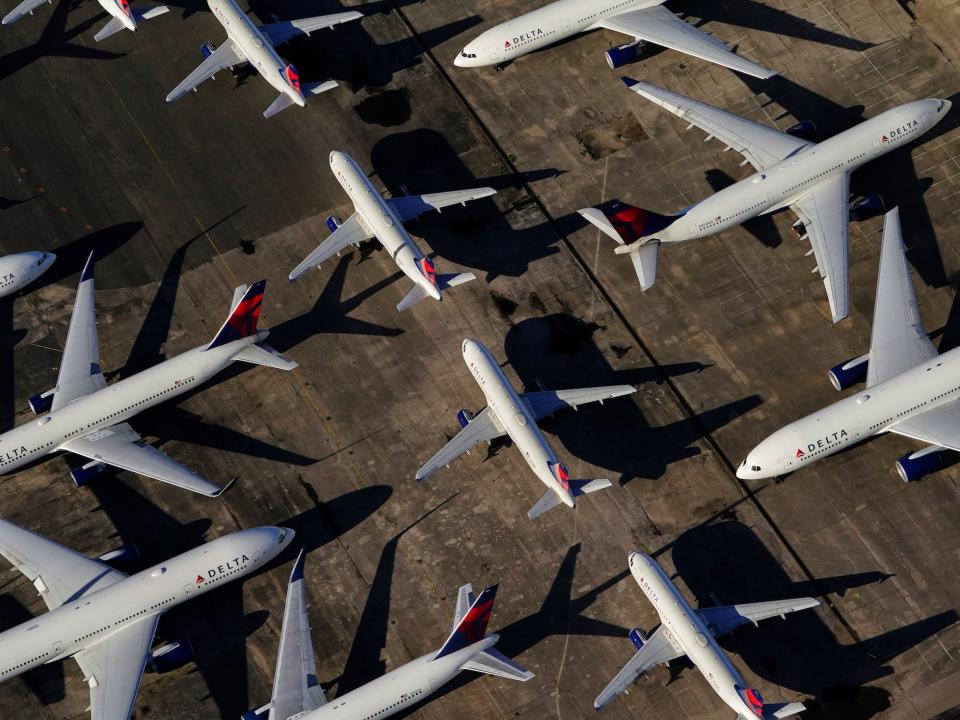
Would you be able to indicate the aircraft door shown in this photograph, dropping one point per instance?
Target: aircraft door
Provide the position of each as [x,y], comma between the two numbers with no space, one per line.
[187,591]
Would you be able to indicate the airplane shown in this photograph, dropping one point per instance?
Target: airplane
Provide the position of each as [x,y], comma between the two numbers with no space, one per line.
[514,414]
[247,42]
[910,389]
[644,20]
[692,632]
[106,620]
[84,416]
[297,694]
[20,269]
[383,219]
[122,16]
[812,179]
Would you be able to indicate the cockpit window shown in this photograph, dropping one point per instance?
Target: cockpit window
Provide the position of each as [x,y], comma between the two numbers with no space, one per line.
[283,534]
[465,54]
[940,105]
[755,468]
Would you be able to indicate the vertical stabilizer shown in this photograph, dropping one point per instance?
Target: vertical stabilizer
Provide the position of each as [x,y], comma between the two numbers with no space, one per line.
[472,627]
[243,317]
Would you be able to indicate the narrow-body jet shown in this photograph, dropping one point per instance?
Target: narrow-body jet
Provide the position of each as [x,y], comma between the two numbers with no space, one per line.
[20,269]
[122,15]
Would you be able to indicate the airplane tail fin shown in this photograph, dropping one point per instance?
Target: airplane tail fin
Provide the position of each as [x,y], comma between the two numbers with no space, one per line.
[471,627]
[768,711]
[244,314]
[627,224]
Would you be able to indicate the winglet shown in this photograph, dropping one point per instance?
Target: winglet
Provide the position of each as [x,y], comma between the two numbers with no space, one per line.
[629,81]
[297,572]
[226,487]
[87,273]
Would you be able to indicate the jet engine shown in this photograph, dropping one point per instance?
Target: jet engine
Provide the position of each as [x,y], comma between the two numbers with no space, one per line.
[915,466]
[464,417]
[805,130]
[171,656]
[866,208]
[623,54]
[121,557]
[333,222]
[638,638]
[41,403]
[849,373]
[85,474]
[206,49]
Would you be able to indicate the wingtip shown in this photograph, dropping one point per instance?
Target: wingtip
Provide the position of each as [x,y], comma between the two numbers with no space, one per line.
[226,487]
[87,273]
[297,572]
[629,81]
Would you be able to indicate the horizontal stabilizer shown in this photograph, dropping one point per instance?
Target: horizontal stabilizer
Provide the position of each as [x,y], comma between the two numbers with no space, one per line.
[114,26]
[263,354]
[549,501]
[645,259]
[781,710]
[25,8]
[450,280]
[149,13]
[318,87]
[282,102]
[492,662]
[415,295]
[585,487]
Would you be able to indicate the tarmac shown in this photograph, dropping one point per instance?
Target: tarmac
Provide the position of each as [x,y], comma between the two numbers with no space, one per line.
[186,201]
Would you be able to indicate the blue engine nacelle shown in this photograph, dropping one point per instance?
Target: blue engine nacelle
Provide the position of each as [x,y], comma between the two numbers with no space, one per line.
[122,557]
[171,656]
[623,54]
[638,638]
[40,404]
[206,49]
[805,130]
[865,208]
[918,464]
[464,417]
[333,222]
[85,475]
[849,373]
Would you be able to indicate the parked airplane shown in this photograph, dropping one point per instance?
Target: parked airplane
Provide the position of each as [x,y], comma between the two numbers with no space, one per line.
[20,269]
[297,694]
[911,390]
[383,219]
[644,20]
[247,42]
[106,620]
[122,16]
[84,416]
[686,631]
[812,179]
[515,414]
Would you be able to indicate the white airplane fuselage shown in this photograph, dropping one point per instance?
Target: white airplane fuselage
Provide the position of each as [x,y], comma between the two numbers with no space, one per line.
[400,688]
[378,219]
[116,403]
[20,269]
[93,617]
[781,184]
[117,10]
[254,46]
[514,417]
[539,28]
[867,413]
[686,631]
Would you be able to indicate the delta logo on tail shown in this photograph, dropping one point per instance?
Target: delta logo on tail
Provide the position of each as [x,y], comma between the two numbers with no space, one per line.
[429,270]
[243,320]
[562,475]
[125,6]
[633,223]
[472,627]
[292,77]
[753,699]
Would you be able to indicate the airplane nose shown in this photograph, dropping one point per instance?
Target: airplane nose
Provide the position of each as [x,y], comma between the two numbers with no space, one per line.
[285,536]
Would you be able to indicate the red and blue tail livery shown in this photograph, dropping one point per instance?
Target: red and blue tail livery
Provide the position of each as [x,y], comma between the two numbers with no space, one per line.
[753,699]
[429,270]
[633,223]
[243,318]
[472,628]
[292,77]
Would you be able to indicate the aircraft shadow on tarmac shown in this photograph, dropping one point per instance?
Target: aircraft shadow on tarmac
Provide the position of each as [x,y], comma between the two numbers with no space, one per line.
[45,682]
[54,41]
[216,624]
[559,351]
[477,236]
[836,676]
[893,176]
[756,15]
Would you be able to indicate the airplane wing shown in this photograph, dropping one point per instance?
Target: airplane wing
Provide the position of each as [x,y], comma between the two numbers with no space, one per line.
[761,145]
[112,668]
[24,8]
[120,446]
[113,26]
[898,341]
[410,206]
[548,402]
[59,574]
[295,688]
[227,55]
[824,212]
[721,620]
[939,426]
[655,651]
[279,32]
[351,232]
[80,368]
[481,428]
[658,25]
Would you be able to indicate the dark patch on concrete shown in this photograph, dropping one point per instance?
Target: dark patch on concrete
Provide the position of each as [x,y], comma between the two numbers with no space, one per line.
[385,107]
[248,247]
[537,304]
[620,350]
[605,139]
[505,306]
